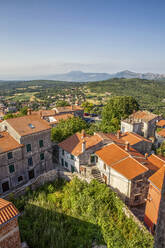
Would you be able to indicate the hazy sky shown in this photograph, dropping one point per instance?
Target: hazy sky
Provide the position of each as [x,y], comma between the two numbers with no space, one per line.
[39,37]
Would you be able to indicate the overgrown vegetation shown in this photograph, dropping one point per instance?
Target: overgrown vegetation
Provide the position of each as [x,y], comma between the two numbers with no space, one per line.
[66,128]
[149,94]
[76,214]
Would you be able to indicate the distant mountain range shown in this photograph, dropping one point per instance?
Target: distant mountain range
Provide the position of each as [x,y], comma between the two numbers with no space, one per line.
[79,76]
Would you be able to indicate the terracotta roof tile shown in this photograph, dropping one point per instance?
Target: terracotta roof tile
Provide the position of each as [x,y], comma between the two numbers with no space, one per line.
[161,123]
[28,124]
[129,168]
[111,154]
[143,115]
[122,161]
[161,132]
[7,211]
[156,160]
[7,143]
[73,144]
[61,117]
[133,138]
[158,177]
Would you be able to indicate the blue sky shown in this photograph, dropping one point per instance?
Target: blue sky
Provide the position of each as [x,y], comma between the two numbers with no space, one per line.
[40,37]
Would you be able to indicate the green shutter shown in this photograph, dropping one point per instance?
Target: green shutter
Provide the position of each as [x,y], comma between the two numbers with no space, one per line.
[10,155]
[11,168]
[42,156]
[41,143]
[28,148]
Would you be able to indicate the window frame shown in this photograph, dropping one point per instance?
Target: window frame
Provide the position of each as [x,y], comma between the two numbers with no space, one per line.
[41,143]
[10,155]
[27,147]
[30,163]
[42,156]
[11,171]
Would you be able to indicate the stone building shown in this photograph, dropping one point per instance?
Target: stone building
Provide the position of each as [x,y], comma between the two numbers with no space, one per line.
[154,193]
[160,137]
[25,150]
[9,229]
[141,122]
[126,171]
[79,149]
[136,141]
[74,109]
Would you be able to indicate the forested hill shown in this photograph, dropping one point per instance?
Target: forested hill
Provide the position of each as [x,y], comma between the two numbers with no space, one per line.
[149,94]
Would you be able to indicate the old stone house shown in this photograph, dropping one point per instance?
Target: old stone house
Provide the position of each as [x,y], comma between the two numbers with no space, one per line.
[73,109]
[79,149]
[26,151]
[154,193]
[136,141]
[141,122]
[161,124]
[126,171]
[9,229]
[160,137]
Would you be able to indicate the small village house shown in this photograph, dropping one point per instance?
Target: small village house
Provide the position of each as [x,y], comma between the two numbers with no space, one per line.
[142,123]
[9,229]
[154,193]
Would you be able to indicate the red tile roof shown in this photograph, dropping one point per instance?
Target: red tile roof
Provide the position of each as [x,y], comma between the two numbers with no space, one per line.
[143,115]
[7,143]
[161,123]
[156,160]
[28,124]
[61,117]
[129,168]
[133,138]
[158,177]
[73,144]
[7,211]
[116,157]
[161,132]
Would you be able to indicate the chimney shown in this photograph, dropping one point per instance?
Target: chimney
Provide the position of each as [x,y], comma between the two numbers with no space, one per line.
[29,111]
[83,146]
[83,134]
[118,134]
[41,114]
[127,146]
[146,155]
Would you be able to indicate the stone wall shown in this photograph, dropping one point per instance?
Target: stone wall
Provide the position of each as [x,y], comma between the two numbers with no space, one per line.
[9,235]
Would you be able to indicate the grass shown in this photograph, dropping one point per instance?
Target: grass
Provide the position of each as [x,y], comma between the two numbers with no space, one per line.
[76,214]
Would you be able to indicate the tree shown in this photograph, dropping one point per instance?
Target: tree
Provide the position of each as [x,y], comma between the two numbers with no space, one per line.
[117,107]
[88,107]
[61,103]
[66,128]
[161,149]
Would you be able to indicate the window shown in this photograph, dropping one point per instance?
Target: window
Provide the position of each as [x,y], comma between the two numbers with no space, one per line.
[66,164]
[63,152]
[41,143]
[104,166]
[137,198]
[72,157]
[139,184]
[41,156]
[5,186]
[62,162]
[31,125]
[11,168]
[30,161]
[72,168]
[92,158]
[20,178]
[31,174]
[28,148]
[10,155]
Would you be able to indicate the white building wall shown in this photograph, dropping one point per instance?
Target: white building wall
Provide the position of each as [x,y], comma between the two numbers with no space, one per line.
[115,179]
[67,158]
[126,127]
